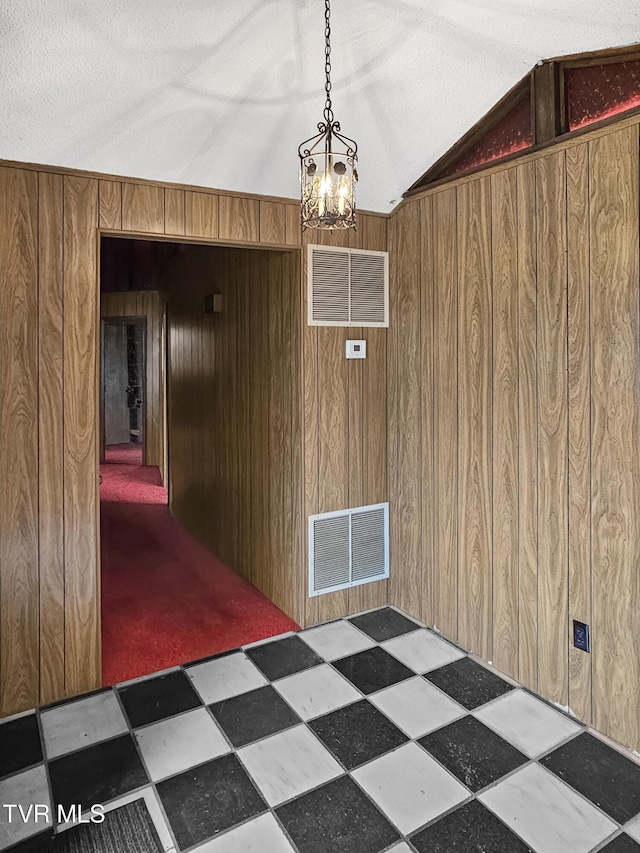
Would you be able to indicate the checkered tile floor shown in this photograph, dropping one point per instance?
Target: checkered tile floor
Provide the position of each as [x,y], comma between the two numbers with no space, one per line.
[363,735]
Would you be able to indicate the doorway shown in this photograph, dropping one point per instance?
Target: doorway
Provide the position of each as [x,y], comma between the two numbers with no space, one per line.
[218,417]
[123,389]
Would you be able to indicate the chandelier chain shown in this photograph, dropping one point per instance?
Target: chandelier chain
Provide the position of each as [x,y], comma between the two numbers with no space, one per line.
[328,109]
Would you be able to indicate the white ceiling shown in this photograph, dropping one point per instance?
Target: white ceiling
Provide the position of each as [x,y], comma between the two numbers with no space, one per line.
[220,93]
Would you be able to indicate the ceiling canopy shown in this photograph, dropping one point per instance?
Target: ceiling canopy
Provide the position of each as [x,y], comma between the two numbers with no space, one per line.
[220,93]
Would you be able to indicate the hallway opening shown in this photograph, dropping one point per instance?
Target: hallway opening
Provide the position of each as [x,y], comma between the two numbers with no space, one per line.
[177,447]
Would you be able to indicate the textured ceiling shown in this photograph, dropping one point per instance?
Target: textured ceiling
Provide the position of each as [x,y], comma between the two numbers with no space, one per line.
[220,93]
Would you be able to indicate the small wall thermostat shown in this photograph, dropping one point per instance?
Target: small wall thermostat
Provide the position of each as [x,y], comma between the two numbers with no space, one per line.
[356,349]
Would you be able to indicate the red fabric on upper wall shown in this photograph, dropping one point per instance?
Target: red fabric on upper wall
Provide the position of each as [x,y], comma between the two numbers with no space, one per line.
[596,92]
[512,133]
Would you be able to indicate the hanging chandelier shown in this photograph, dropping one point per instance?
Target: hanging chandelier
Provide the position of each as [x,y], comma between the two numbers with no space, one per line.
[328,173]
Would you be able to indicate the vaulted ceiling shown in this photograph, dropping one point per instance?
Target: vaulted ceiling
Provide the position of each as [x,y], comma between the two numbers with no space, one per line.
[220,93]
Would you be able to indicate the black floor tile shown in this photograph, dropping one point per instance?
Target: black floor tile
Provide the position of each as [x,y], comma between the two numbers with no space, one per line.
[384,624]
[20,745]
[157,698]
[254,715]
[209,799]
[600,773]
[357,734]
[622,844]
[474,754]
[470,829]
[336,817]
[283,657]
[373,669]
[468,683]
[97,774]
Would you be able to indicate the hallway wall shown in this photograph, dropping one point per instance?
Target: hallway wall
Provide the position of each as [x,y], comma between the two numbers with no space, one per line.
[149,304]
[235,412]
[514,419]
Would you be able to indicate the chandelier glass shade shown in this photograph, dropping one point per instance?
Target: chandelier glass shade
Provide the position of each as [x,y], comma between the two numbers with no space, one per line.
[328,165]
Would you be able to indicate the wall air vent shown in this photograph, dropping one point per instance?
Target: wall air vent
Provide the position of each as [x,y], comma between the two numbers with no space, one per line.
[347,287]
[348,548]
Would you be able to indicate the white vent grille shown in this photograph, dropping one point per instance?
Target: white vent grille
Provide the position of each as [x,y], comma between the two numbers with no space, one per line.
[348,548]
[348,287]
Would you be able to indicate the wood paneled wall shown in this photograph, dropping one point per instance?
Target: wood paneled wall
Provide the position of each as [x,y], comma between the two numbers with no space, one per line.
[149,304]
[235,412]
[49,607]
[345,423]
[50,222]
[514,404]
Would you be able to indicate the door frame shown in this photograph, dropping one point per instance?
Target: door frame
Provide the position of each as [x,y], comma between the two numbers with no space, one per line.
[125,320]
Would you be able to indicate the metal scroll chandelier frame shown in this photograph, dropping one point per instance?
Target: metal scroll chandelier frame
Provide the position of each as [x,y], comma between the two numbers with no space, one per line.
[328,164]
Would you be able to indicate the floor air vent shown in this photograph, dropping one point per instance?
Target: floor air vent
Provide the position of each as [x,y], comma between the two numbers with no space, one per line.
[348,548]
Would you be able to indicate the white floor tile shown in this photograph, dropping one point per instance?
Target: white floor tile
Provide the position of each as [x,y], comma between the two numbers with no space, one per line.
[410,787]
[83,723]
[417,707]
[422,651]
[262,835]
[174,745]
[316,691]
[336,640]
[633,828]
[400,848]
[547,814]
[526,722]
[25,789]
[225,677]
[288,764]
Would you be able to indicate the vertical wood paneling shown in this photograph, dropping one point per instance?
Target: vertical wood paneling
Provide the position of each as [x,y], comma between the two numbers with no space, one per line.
[288,584]
[174,212]
[82,642]
[405,583]
[368,416]
[373,233]
[427,532]
[201,214]
[310,392]
[292,225]
[276,435]
[110,204]
[234,394]
[474,417]
[333,452]
[239,218]
[51,432]
[504,252]
[579,358]
[445,412]
[143,208]
[552,427]
[272,222]
[615,511]
[19,642]
[527,430]
[355,430]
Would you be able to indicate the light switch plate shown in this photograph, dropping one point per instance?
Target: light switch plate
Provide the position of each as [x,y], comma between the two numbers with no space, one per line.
[356,349]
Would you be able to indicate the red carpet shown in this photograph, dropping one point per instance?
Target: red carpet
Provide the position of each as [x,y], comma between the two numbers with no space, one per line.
[166,600]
